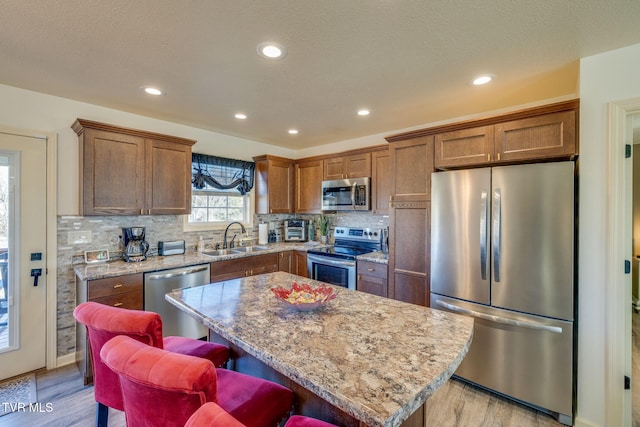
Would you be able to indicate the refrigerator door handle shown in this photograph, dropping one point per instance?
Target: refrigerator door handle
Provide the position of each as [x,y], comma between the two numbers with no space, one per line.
[496,228]
[498,319]
[484,206]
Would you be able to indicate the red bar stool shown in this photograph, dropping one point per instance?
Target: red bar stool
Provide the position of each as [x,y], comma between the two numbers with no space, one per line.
[164,389]
[212,415]
[104,322]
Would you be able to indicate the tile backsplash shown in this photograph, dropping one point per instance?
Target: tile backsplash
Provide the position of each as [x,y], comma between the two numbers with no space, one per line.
[77,234]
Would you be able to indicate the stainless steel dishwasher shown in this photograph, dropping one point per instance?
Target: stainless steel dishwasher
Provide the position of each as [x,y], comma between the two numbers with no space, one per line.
[159,283]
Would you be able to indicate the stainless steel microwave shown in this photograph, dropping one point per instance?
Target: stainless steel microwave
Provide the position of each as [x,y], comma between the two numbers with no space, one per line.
[352,194]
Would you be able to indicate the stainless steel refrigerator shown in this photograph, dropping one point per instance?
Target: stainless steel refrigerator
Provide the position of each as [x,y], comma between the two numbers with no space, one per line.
[502,251]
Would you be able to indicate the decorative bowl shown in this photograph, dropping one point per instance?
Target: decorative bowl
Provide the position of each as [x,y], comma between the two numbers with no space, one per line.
[304,297]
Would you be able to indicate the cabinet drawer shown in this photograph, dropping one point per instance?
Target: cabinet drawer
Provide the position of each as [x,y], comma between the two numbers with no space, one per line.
[114,286]
[130,300]
[372,269]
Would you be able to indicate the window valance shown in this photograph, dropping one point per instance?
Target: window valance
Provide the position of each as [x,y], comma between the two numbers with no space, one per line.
[219,173]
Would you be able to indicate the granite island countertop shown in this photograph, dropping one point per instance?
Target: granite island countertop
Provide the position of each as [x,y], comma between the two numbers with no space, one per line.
[375,358]
[155,263]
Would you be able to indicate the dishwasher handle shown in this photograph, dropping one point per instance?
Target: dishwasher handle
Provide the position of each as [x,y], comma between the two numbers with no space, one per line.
[176,273]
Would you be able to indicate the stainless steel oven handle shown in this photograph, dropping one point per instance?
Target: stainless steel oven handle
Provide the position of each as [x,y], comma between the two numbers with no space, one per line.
[498,319]
[329,261]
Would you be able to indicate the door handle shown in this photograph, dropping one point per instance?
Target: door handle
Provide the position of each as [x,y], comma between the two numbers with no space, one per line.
[484,206]
[498,319]
[497,234]
[35,273]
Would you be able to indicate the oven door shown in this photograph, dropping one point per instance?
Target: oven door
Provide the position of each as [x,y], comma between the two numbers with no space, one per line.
[336,271]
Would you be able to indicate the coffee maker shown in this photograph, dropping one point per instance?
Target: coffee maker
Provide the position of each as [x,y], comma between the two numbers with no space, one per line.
[134,247]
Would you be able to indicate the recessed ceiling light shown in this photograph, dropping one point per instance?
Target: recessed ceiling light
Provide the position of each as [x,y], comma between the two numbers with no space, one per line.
[240,116]
[152,90]
[271,50]
[363,112]
[483,80]
[293,131]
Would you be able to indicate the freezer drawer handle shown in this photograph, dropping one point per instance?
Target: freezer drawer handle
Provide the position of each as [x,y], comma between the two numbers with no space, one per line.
[176,273]
[498,319]
[483,234]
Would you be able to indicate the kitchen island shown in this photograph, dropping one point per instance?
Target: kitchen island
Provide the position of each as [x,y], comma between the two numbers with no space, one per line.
[361,360]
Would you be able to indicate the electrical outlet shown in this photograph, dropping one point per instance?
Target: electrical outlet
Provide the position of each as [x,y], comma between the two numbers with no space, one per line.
[78,237]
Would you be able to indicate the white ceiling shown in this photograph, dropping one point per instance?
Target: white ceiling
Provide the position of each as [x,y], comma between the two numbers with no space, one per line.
[409,62]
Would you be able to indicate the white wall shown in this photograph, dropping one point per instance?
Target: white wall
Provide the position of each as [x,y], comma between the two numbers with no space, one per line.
[612,76]
[29,110]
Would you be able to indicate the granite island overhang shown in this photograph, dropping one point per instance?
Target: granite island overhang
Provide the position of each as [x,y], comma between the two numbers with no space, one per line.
[375,359]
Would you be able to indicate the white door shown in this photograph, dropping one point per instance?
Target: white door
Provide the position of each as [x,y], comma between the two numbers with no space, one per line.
[23,203]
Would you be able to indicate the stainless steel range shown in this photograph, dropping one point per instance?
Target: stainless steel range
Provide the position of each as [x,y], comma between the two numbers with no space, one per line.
[337,264]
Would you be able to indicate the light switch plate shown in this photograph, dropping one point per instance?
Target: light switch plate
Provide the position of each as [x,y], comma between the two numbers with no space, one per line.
[78,237]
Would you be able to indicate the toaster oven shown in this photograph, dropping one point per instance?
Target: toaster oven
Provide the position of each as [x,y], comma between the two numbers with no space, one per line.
[295,230]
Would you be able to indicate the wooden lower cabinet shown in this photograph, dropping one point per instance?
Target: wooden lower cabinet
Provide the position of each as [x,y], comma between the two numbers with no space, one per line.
[120,291]
[372,278]
[243,267]
[294,262]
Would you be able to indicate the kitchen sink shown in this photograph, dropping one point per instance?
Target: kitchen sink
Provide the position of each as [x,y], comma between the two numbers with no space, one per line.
[245,249]
[219,252]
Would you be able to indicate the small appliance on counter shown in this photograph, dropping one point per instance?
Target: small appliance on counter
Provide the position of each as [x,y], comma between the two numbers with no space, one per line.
[173,247]
[134,246]
[295,230]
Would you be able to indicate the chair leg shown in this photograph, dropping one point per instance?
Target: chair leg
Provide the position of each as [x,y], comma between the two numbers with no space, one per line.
[102,415]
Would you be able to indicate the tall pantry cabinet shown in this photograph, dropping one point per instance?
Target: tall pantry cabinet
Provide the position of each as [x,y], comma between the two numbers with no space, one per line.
[411,166]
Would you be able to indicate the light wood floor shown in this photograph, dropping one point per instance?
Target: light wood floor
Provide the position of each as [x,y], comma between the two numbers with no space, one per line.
[72,404]
[456,404]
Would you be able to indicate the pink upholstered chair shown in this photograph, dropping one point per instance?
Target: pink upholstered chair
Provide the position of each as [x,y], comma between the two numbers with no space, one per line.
[104,322]
[163,389]
[212,415]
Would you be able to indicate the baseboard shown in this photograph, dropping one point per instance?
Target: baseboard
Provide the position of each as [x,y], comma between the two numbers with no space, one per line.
[67,359]
[581,422]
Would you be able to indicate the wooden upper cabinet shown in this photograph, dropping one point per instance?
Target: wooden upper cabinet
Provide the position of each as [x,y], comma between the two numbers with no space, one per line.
[411,166]
[348,166]
[550,135]
[168,164]
[274,183]
[132,172]
[380,182]
[544,135]
[308,197]
[464,147]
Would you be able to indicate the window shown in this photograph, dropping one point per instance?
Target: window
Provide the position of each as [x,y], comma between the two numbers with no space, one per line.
[219,207]
[220,192]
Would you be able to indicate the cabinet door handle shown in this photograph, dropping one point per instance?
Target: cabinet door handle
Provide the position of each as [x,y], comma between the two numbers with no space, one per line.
[119,285]
[371,269]
[118,304]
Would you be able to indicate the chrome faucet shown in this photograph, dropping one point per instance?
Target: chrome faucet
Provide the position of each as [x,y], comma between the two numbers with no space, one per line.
[224,244]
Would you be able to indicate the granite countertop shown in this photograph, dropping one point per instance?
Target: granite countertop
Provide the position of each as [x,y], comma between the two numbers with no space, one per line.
[375,358]
[155,263]
[377,257]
